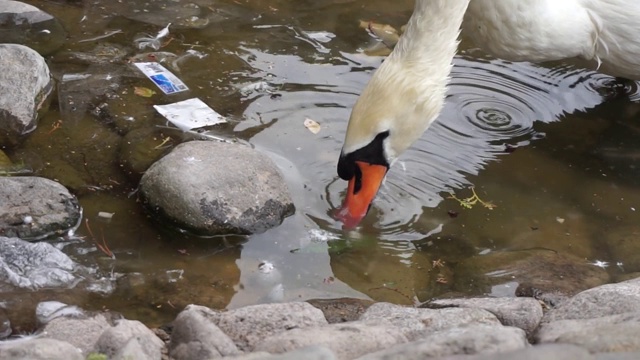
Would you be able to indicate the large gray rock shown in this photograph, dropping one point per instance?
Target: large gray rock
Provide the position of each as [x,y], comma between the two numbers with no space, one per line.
[39,349]
[35,265]
[419,323]
[249,325]
[25,85]
[538,352]
[214,187]
[474,339]
[25,24]
[114,339]
[307,353]
[34,207]
[81,333]
[603,334]
[346,340]
[600,301]
[196,336]
[524,313]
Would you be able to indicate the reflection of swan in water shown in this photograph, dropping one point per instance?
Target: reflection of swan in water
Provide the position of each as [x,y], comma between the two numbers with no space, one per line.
[406,94]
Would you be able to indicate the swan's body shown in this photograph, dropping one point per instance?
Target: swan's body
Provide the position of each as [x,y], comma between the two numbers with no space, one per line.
[406,94]
[605,33]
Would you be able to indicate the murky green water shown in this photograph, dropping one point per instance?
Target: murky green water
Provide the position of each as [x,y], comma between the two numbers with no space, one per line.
[570,186]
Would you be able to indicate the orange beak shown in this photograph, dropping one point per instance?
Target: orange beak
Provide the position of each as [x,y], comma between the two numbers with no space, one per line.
[357,203]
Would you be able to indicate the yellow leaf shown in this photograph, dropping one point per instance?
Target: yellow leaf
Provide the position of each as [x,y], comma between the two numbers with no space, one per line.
[143,91]
[312,125]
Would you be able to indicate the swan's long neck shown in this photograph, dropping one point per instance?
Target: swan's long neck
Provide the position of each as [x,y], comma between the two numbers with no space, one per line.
[407,92]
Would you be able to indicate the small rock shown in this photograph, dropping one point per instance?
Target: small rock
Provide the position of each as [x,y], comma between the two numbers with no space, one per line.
[196,336]
[600,301]
[602,334]
[307,353]
[346,340]
[117,337]
[538,352]
[419,323]
[533,273]
[25,85]
[615,356]
[524,313]
[472,339]
[213,188]
[39,349]
[140,149]
[249,325]
[49,310]
[81,333]
[132,350]
[35,265]
[49,205]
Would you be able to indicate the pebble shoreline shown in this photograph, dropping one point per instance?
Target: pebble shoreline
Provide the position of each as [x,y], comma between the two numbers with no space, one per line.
[599,323]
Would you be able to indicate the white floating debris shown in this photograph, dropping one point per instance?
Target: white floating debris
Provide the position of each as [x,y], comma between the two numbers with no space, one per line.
[265,267]
[163,78]
[319,235]
[190,114]
[105,215]
[174,275]
[312,125]
[27,219]
[152,42]
[436,230]
[600,264]
[560,220]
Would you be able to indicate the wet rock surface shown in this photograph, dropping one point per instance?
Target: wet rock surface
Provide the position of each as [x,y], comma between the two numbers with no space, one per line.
[298,330]
[25,85]
[25,24]
[35,266]
[217,188]
[34,207]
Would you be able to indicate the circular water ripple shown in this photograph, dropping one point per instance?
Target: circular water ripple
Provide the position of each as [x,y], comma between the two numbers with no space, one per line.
[490,103]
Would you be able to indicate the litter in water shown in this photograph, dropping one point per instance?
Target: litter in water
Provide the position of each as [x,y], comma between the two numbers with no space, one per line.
[190,114]
[163,78]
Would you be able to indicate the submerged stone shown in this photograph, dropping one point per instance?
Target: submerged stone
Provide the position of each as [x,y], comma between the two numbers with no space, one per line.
[25,24]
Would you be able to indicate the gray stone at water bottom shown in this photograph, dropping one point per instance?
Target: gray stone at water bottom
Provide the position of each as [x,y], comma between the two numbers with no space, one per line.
[39,349]
[460,340]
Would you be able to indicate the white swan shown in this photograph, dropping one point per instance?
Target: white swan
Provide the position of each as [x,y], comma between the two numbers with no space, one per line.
[406,94]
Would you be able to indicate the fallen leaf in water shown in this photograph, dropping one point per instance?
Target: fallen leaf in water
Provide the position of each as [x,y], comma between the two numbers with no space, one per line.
[143,91]
[312,125]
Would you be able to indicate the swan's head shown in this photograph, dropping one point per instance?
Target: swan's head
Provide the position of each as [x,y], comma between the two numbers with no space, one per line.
[392,112]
